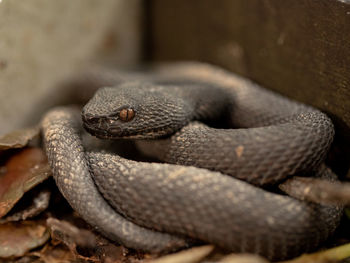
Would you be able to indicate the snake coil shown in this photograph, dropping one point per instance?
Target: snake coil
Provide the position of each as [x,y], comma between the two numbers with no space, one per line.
[160,207]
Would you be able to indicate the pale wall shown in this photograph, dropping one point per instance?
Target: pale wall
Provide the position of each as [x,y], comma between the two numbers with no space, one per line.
[42,41]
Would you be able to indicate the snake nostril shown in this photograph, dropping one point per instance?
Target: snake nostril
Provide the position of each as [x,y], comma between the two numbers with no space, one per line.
[90,119]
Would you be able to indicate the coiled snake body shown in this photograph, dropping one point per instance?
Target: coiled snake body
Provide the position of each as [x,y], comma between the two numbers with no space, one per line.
[155,207]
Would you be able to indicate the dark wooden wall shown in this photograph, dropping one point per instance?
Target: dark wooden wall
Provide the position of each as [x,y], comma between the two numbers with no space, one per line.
[298,48]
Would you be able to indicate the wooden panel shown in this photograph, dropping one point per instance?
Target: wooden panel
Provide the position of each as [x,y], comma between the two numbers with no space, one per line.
[298,48]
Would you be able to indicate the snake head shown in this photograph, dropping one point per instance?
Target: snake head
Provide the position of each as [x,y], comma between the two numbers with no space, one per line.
[135,110]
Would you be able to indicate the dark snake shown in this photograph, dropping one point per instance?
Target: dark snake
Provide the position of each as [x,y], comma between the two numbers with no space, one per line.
[161,207]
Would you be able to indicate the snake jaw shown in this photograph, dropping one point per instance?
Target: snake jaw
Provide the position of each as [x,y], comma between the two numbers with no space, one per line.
[117,133]
[109,127]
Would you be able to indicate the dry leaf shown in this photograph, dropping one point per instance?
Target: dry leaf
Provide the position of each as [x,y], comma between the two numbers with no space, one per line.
[18,238]
[21,173]
[18,138]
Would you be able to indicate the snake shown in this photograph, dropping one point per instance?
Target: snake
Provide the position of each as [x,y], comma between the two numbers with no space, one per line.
[220,144]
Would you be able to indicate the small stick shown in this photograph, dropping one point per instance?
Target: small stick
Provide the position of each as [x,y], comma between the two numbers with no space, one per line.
[317,190]
[330,255]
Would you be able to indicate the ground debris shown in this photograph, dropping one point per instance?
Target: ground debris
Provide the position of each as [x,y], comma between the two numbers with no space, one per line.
[335,254]
[88,246]
[191,255]
[21,172]
[74,241]
[38,202]
[18,238]
[18,138]
[71,235]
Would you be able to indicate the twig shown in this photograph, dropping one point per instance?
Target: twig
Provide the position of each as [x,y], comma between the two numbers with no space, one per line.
[317,190]
[330,255]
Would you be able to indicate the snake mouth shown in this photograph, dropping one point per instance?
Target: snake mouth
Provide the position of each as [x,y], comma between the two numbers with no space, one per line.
[117,133]
[107,127]
[99,133]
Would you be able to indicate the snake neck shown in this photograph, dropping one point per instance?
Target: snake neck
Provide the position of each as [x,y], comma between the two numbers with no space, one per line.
[209,104]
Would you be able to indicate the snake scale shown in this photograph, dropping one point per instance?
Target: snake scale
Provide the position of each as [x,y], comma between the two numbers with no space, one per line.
[254,135]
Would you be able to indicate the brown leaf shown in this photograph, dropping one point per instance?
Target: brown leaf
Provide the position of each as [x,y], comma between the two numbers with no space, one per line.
[54,254]
[18,138]
[18,238]
[39,202]
[22,172]
[71,235]
[88,246]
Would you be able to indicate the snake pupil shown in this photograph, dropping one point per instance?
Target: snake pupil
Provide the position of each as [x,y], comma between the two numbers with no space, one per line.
[126,114]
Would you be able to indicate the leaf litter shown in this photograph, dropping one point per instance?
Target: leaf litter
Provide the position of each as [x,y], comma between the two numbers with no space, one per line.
[46,229]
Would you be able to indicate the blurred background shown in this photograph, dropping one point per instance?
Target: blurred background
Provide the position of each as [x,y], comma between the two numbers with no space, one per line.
[298,48]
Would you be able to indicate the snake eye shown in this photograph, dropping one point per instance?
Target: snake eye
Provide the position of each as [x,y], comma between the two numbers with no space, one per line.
[126,114]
